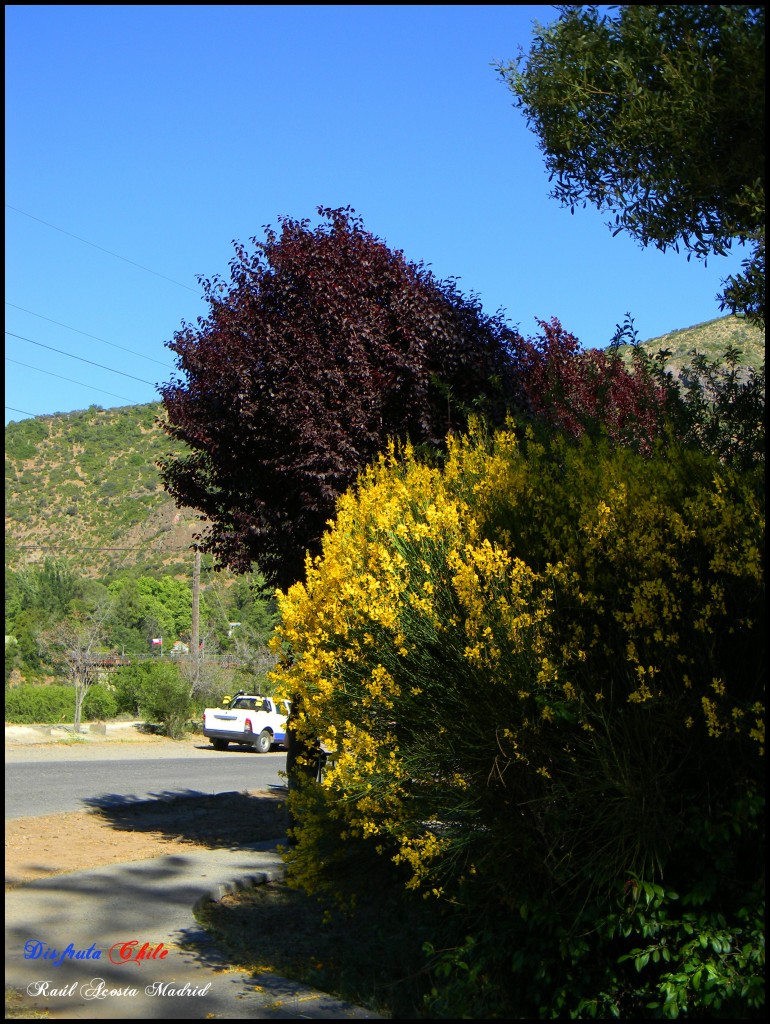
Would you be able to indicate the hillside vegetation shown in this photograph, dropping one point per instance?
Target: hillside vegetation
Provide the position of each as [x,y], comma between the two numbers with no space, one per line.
[711,339]
[84,487]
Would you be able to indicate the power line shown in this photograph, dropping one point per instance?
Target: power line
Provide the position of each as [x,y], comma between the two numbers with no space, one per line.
[80,358]
[10,408]
[71,381]
[86,335]
[101,248]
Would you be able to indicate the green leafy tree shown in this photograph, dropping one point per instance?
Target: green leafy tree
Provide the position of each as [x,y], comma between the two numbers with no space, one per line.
[149,606]
[168,604]
[50,587]
[656,114]
[129,630]
[37,598]
[23,652]
[255,612]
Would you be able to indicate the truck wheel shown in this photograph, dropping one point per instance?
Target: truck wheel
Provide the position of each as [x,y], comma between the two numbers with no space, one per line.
[219,744]
[263,742]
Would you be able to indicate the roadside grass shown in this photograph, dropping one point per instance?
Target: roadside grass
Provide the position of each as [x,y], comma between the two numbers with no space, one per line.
[366,956]
[70,741]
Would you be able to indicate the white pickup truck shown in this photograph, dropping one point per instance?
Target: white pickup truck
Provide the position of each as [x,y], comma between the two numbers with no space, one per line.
[251,719]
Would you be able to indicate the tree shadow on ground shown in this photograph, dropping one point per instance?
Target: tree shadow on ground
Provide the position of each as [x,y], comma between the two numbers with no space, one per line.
[219,821]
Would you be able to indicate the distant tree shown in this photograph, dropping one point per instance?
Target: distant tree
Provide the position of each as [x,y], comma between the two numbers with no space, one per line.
[50,587]
[324,344]
[36,598]
[130,632]
[150,606]
[657,114]
[72,646]
[255,612]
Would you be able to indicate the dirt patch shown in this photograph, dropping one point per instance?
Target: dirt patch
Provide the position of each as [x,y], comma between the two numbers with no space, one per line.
[57,844]
[93,738]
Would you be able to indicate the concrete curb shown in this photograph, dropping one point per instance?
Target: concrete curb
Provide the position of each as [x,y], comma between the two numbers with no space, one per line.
[242,884]
[154,901]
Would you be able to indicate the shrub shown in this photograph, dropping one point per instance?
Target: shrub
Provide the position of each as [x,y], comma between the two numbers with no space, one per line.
[128,688]
[44,705]
[165,697]
[99,703]
[55,704]
[541,669]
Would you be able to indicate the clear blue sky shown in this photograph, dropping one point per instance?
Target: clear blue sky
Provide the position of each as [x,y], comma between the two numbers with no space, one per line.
[141,140]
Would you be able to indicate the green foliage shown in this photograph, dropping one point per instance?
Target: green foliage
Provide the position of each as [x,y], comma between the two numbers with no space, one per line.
[141,607]
[54,704]
[162,605]
[25,653]
[45,705]
[99,703]
[724,409]
[700,961]
[656,114]
[540,668]
[22,440]
[162,694]
[255,610]
[716,404]
[48,588]
[693,960]
[127,681]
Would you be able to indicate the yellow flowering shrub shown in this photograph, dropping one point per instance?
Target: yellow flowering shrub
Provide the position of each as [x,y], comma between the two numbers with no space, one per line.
[532,660]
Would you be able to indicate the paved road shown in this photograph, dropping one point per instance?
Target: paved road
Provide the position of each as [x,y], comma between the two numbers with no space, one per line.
[48,787]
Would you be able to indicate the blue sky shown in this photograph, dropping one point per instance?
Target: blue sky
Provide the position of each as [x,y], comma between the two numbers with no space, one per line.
[142,140]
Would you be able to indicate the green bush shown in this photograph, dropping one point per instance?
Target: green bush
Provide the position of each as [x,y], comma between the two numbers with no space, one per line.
[44,705]
[99,703]
[165,696]
[55,704]
[127,681]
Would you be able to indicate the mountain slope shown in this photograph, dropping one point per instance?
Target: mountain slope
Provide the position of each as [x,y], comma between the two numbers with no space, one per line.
[712,339]
[84,487]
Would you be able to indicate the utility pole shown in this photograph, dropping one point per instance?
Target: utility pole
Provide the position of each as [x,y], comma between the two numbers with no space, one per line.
[196,598]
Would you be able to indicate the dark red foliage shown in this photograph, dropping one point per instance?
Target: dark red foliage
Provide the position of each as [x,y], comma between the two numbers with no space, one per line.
[324,344]
[576,390]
